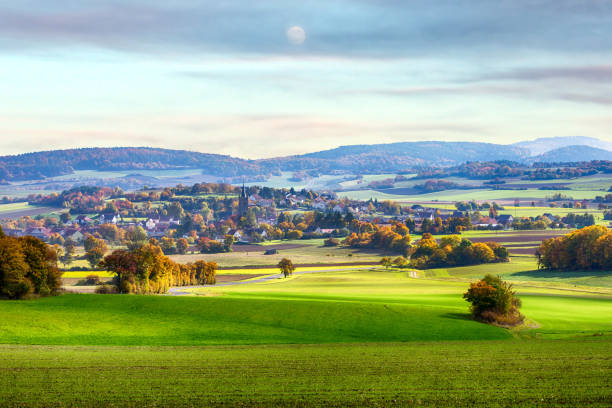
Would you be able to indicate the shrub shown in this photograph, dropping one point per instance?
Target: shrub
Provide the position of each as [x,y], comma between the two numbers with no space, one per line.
[106,289]
[331,242]
[92,280]
[493,301]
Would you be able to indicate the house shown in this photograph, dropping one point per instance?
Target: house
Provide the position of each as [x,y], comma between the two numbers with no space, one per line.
[321,205]
[338,208]
[506,220]
[83,220]
[487,222]
[110,218]
[150,224]
[323,231]
[39,232]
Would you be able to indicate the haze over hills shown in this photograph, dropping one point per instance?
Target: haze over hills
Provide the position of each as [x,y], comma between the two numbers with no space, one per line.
[367,159]
[546,144]
[573,153]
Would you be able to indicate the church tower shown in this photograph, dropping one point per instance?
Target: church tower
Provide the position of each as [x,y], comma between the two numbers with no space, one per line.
[243,202]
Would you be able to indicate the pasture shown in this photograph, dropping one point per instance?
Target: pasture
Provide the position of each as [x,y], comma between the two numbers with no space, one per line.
[335,338]
[466,373]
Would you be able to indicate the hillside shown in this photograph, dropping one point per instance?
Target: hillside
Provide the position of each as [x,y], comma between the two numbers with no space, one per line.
[546,144]
[393,157]
[573,154]
[364,159]
[52,163]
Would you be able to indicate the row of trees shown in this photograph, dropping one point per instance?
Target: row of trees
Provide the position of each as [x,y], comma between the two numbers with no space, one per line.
[394,238]
[452,250]
[27,266]
[147,270]
[586,248]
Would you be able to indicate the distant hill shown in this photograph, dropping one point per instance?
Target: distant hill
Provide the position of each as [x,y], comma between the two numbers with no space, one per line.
[573,154]
[546,144]
[366,159]
[393,157]
[39,165]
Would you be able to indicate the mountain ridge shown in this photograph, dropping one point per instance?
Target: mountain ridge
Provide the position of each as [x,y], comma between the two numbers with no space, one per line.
[366,159]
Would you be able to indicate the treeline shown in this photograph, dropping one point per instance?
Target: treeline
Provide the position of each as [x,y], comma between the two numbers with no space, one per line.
[431,186]
[146,269]
[27,267]
[394,238]
[453,250]
[492,170]
[586,248]
[58,162]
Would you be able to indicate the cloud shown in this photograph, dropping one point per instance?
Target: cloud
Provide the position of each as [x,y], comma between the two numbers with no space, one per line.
[384,29]
[592,73]
[519,91]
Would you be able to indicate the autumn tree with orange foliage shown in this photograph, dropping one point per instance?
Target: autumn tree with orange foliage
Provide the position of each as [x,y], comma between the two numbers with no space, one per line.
[493,301]
[586,248]
[28,266]
[146,270]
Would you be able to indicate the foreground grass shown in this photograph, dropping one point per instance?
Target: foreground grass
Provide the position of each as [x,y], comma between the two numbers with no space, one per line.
[507,373]
[268,319]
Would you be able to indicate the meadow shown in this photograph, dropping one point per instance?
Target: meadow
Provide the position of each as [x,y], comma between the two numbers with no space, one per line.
[336,338]
[466,373]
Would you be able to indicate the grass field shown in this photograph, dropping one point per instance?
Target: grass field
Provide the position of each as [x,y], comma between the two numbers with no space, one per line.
[341,338]
[468,195]
[312,253]
[469,373]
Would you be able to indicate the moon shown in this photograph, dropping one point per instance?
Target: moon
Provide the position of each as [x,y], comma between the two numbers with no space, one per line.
[296,35]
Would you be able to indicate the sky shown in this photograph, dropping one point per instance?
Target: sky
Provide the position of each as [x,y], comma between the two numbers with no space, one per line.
[267,78]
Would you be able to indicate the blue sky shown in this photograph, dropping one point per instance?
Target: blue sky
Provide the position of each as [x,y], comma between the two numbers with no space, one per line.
[222,76]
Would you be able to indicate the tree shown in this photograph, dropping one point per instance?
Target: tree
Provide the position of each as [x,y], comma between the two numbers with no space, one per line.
[400,262]
[386,262]
[286,266]
[228,243]
[493,301]
[69,251]
[136,237]
[182,245]
[95,250]
[27,265]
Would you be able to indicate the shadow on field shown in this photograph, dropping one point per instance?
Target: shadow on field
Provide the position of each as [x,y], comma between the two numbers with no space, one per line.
[543,274]
[457,316]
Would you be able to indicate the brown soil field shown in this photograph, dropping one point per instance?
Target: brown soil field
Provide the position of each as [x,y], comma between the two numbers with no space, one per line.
[310,265]
[519,237]
[263,248]
[235,278]
[30,212]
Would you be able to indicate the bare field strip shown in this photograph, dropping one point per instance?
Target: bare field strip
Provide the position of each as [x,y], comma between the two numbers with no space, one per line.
[28,212]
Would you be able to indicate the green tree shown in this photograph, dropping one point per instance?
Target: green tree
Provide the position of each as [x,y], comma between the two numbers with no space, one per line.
[69,251]
[135,237]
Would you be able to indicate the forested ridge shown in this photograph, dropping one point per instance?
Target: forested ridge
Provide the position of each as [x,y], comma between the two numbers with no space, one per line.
[428,158]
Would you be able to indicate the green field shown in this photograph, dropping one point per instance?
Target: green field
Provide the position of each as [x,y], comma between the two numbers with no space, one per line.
[469,373]
[337,338]
[312,252]
[468,195]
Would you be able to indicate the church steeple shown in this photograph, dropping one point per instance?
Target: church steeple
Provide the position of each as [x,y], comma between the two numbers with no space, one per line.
[243,202]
